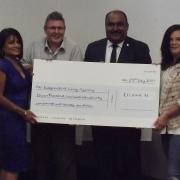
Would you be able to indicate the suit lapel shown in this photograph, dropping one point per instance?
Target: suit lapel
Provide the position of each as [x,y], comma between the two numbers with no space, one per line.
[102,50]
[126,52]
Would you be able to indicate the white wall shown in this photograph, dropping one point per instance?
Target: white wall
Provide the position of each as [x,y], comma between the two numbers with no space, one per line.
[85,18]
[85,23]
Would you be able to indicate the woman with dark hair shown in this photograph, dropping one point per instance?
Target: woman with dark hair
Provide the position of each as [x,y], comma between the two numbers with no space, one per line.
[169,119]
[15,85]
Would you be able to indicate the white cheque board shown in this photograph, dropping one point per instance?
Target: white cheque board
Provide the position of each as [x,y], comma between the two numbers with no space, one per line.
[102,94]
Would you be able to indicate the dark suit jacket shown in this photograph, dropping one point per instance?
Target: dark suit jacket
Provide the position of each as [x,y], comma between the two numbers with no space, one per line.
[133,51]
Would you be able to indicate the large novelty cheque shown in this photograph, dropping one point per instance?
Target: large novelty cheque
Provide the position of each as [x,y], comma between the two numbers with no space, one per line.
[103,94]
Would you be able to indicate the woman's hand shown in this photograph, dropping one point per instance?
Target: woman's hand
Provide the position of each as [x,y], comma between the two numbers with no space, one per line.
[29,68]
[161,121]
[30,117]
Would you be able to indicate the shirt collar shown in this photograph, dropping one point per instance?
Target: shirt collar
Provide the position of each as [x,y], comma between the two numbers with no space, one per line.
[109,44]
[60,48]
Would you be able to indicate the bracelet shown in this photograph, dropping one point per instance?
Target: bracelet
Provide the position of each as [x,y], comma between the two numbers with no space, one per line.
[25,113]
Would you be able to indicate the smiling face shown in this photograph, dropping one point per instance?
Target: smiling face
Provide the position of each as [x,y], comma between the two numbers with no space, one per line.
[175,44]
[55,30]
[116,27]
[12,47]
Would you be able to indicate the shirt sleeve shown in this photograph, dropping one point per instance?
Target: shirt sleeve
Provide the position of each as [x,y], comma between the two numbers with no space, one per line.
[177,89]
[76,54]
[29,55]
[3,67]
[178,102]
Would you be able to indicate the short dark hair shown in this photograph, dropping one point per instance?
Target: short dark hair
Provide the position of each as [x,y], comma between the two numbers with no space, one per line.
[167,58]
[5,34]
[117,12]
[54,16]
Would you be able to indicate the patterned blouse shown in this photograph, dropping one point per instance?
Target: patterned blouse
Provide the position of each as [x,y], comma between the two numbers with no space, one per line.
[170,94]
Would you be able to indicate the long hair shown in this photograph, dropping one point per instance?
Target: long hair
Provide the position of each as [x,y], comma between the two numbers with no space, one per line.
[5,34]
[167,58]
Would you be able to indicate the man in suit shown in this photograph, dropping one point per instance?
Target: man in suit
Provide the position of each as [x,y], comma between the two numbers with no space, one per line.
[117,148]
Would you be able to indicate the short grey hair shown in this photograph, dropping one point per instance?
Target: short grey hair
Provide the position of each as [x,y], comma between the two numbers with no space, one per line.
[54,16]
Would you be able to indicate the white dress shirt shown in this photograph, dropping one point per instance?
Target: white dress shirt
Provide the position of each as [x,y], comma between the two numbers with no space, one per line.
[109,51]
